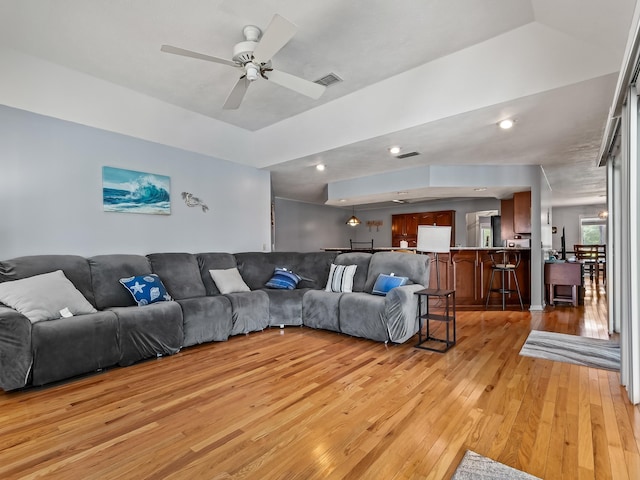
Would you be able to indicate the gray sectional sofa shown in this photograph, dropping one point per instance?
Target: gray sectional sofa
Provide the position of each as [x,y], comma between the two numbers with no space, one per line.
[121,333]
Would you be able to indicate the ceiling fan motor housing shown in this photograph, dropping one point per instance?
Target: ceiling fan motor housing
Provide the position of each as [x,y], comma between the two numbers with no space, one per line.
[243,51]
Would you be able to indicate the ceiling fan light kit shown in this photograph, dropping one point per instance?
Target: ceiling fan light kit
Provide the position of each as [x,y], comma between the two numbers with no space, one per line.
[253,57]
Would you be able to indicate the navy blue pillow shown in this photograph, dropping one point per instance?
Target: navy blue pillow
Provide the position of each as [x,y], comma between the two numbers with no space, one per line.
[146,289]
[384,283]
[283,279]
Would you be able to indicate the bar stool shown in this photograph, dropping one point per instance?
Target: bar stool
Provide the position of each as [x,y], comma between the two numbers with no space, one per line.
[506,264]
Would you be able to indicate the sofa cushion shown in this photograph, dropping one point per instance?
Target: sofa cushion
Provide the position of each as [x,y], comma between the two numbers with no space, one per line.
[312,267]
[213,261]
[146,289]
[362,260]
[285,306]
[341,278]
[250,311]
[148,332]
[362,315]
[180,274]
[257,267]
[44,297]
[73,346]
[415,267]
[106,272]
[206,319]
[16,354]
[320,310]
[75,268]
[391,318]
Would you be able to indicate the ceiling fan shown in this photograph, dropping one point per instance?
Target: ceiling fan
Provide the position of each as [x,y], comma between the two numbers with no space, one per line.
[253,57]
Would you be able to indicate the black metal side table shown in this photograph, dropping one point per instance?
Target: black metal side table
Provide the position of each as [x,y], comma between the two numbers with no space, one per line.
[448,318]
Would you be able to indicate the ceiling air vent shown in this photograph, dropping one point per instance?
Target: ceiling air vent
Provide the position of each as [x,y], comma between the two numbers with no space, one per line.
[407,155]
[329,79]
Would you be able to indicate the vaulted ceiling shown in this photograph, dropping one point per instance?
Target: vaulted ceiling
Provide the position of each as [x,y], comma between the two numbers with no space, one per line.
[433,77]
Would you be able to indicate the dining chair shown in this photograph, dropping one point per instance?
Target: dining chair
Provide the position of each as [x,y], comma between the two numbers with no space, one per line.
[593,257]
[361,246]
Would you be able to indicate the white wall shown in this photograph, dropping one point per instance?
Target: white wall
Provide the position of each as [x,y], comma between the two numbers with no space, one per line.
[51,194]
[306,227]
[569,218]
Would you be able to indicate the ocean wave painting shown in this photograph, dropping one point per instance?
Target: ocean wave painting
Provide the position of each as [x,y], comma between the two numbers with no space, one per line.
[135,192]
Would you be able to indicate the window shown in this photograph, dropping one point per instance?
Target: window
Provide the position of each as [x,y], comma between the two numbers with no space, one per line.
[593,231]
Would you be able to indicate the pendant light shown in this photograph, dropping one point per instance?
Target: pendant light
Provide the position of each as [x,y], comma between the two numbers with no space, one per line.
[353,221]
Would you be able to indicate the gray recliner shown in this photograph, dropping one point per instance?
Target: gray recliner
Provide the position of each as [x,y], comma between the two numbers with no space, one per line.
[392,317]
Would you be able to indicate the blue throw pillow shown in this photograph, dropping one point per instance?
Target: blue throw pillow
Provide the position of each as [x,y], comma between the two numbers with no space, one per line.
[146,289]
[384,283]
[283,279]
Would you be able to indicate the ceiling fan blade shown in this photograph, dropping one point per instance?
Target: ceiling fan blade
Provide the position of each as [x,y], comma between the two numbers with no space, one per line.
[277,34]
[297,84]
[199,56]
[237,94]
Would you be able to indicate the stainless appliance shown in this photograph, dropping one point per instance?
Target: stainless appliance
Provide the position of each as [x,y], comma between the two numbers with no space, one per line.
[496,231]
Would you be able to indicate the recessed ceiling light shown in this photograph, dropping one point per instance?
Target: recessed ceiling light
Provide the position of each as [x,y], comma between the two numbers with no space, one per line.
[506,124]
[480,189]
[342,200]
[394,150]
[320,167]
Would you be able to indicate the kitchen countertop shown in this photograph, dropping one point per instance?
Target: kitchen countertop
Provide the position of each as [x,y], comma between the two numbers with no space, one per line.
[389,249]
[490,248]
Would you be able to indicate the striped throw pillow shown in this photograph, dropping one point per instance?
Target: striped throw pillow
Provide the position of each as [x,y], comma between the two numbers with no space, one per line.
[341,278]
[283,279]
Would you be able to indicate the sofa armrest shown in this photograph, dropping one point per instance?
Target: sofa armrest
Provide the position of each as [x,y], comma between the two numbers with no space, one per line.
[401,312]
[16,356]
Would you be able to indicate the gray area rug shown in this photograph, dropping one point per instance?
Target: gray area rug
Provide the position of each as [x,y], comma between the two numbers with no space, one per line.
[476,467]
[588,352]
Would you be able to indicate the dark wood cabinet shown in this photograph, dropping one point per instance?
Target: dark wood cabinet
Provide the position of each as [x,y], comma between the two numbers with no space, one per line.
[468,273]
[442,266]
[466,280]
[404,226]
[522,212]
[515,215]
[506,219]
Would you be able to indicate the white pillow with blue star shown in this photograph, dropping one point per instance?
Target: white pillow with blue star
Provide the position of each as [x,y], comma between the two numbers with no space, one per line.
[146,289]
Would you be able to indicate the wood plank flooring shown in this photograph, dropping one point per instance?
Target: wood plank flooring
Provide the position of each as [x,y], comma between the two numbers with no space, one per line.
[305,404]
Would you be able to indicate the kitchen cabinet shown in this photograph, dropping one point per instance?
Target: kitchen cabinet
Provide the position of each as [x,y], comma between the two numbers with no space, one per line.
[522,212]
[468,271]
[466,278]
[515,215]
[506,219]
[444,261]
[404,226]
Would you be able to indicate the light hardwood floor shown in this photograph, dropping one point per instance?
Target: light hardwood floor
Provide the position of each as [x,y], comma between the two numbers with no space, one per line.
[300,403]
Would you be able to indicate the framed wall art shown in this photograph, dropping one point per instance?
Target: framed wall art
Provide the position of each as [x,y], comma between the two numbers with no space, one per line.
[135,192]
